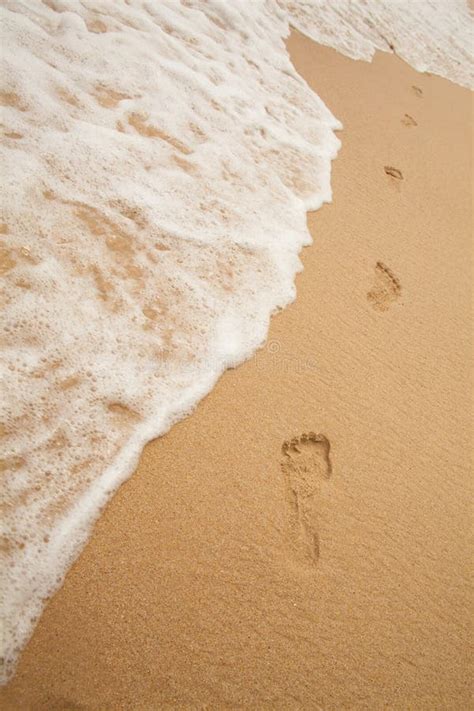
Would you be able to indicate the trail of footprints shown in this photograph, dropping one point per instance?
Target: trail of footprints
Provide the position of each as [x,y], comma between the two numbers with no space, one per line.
[386,288]
[305,461]
[409,121]
[306,466]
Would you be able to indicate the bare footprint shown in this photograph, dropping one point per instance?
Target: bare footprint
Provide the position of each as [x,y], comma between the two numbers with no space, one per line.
[306,465]
[417,91]
[386,288]
[393,172]
[408,120]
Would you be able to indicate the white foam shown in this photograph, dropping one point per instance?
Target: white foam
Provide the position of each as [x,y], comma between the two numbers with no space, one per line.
[435,36]
[158,162]
[159,159]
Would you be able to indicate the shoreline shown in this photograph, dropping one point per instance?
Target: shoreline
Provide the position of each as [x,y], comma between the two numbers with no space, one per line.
[198,586]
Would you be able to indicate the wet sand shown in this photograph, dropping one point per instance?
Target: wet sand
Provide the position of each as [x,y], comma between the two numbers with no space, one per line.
[303,539]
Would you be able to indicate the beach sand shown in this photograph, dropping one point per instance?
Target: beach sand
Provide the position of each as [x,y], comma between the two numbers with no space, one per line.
[234,571]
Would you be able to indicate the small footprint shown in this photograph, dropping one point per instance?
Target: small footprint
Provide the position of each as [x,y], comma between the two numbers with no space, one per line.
[386,289]
[408,120]
[417,91]
[393,172]
[306,465]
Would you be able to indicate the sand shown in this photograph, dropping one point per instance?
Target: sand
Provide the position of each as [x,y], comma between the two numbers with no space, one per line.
[236,571]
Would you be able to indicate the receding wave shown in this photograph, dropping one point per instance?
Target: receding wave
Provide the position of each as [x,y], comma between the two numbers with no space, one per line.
[159,161]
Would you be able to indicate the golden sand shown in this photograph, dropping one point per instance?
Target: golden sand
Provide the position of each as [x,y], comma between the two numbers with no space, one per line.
[302,541]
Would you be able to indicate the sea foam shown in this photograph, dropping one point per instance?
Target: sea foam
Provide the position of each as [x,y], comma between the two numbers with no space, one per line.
[433,36]
[158,162]
[159,159]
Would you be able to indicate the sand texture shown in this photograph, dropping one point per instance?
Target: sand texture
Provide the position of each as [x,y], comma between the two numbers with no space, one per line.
[302,541]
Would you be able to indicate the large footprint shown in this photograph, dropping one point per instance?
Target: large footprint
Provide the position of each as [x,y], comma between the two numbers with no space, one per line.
[306,465]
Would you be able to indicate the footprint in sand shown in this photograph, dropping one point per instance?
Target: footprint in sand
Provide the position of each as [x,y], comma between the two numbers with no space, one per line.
[306,465]
[417,91]
[393,172]
[408,120]
[386,288]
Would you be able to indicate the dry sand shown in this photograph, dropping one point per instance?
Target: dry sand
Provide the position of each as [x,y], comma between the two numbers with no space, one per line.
[229,573]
